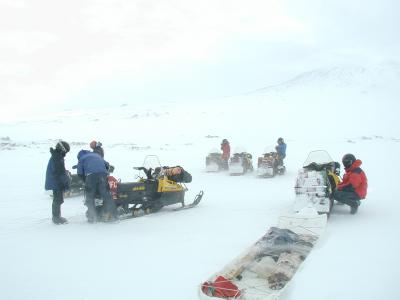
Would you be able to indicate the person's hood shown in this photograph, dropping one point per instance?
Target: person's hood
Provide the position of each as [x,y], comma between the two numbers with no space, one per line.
[357,163]
[82,153]
[56,152]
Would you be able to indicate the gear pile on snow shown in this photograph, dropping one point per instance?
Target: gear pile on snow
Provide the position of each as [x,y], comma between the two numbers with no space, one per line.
[264,270]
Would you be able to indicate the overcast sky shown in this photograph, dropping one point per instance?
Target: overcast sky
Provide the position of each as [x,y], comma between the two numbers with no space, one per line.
[59,53]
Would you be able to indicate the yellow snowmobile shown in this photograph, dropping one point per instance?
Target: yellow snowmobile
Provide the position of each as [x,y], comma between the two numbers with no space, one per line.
[159,187]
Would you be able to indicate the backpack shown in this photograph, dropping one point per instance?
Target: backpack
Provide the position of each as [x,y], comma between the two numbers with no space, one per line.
[177,174]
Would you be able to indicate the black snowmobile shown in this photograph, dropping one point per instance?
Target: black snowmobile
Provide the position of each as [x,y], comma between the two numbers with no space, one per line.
[76,186]
[214,162]
[159,187]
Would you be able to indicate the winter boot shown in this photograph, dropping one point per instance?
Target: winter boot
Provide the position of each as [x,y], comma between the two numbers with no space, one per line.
[354,207]
[59,220]
[91,217]
[109,217]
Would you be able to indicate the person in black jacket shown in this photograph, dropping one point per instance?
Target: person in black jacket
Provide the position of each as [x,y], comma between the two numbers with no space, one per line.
[57,179]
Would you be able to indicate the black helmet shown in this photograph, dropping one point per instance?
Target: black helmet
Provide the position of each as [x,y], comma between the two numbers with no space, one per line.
[224,141]
[62,146]
[348,160]
[280,140]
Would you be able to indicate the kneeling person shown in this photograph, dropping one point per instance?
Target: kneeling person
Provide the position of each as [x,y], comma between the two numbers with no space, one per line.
[354,186]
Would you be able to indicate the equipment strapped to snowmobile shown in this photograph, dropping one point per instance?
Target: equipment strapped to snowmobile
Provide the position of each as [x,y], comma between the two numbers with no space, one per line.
[268,164]
[316,182]
[240,163]
[214,161]
[161,186]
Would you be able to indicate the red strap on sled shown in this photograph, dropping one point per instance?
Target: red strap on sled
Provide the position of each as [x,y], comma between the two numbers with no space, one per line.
[221,288]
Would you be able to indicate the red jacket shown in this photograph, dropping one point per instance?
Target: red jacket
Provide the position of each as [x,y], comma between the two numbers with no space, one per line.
[355,178]
[226,151]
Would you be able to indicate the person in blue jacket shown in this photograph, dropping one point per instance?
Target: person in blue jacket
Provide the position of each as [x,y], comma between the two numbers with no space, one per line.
[281,150]
[92,168]
[57,179]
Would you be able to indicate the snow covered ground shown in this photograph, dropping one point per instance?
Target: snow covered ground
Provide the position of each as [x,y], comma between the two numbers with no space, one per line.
[168,254]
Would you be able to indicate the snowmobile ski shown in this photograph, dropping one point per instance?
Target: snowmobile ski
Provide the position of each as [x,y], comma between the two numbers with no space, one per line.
[196,201]
[138,212]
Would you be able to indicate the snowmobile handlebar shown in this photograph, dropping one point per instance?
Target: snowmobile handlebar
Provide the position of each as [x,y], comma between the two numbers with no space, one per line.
[148,172]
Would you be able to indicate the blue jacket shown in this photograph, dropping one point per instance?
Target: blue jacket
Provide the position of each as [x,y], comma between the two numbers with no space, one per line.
[57,177]
[281,149]
[90,162]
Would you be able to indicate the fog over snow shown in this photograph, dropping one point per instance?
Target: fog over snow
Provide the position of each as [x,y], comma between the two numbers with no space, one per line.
[173,79]
[99,53]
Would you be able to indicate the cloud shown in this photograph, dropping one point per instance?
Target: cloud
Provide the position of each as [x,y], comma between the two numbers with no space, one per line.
[53,51]
[350,27]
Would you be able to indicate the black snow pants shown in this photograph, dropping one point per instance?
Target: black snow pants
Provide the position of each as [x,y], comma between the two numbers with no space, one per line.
[97,183]
[58,199]
[349,198]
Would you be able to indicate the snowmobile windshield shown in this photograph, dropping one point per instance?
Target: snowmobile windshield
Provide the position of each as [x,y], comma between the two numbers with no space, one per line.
[151,161]
[214,150]
[319,157]
[269,149]
[239,150]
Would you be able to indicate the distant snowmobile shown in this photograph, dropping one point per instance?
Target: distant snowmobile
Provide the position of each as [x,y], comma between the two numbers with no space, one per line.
[268,164]
[214,162]
[240,163]
[160,187]
[316,182]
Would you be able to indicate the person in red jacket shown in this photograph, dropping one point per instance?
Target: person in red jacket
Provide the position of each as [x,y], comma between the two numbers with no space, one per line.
[354,186]
[226,153]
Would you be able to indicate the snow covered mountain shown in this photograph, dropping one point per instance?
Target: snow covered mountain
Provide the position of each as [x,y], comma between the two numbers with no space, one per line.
[364,78]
